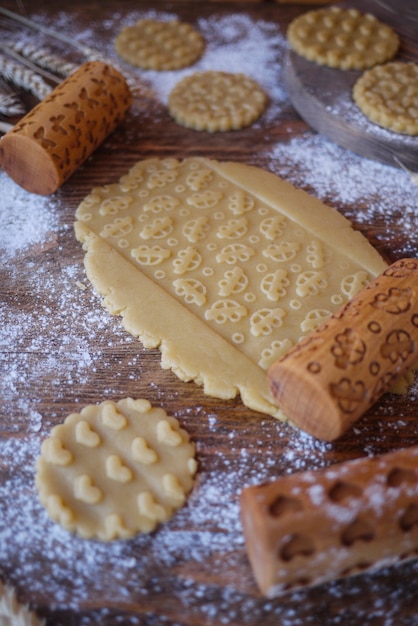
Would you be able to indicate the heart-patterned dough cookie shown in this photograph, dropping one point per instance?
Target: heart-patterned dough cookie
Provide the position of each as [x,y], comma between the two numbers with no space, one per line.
[115,469]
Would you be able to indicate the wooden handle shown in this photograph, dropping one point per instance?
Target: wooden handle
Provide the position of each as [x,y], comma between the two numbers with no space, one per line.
[328,380]
[42,151]
[316,526]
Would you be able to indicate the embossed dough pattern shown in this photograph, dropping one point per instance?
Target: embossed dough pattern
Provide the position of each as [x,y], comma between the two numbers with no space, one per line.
[216,101]
[388,96]
[115,469]
[342,38]
[158,45]
[328,380]
[255,269]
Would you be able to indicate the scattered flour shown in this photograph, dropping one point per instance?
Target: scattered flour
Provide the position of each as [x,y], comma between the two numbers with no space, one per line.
[230,39]
[367,191]
[76,574]
[37,221]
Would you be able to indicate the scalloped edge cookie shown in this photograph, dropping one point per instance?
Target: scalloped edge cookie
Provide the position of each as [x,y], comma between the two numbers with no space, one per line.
[388,96]
[115,469]
[158,45]
[216,101]
[342,38]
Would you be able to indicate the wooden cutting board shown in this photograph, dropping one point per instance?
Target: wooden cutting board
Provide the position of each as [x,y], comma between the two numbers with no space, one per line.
[322,95]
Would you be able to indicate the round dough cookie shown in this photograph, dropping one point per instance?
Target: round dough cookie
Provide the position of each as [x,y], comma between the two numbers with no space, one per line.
[115,469]
[216,101]
[342,38]
[388,96]
[156,45]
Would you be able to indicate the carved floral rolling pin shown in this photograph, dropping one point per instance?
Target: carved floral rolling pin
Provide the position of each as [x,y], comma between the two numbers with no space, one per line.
[328,380]
[316,526]
[42,151]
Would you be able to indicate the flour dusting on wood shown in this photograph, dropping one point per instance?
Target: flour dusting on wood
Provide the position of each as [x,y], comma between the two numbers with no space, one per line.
[80,352]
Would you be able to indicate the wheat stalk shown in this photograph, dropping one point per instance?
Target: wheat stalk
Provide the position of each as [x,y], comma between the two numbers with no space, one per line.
[40,27]
[42,58]
[29,64]
[90,54]
[412,175]
[24,77]
[10,105]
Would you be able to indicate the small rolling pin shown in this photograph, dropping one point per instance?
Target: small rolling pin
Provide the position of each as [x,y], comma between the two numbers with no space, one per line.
[42,151]
[329,379]
[316,526]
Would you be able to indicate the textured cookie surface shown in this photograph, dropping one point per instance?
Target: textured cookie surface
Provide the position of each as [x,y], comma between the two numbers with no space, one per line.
[216,101]
[115,469]
[228,254]
[156,45]
[388,95]
[342,38]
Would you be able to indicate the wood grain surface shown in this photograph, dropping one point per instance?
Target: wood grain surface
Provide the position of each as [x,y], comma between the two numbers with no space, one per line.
[59,350]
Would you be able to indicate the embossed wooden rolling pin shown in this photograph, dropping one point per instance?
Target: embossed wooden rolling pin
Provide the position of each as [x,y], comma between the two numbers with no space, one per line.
[42,151]
[329,379]
[316,526]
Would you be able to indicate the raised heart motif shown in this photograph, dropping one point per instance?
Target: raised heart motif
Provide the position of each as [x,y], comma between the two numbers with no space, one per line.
[55,453]
[141,405]
[173,487]
[148,507]
[86,491]
[115,527]
[58,511]
[85,435]
[167,435]
[116,470]
[142,453]
[112,418]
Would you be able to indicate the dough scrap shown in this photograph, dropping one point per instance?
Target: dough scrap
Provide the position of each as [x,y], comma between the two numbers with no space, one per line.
[342,38]
[388,96]
[12,612]
[115,469]
[223,266]
[216,101]
[156,45]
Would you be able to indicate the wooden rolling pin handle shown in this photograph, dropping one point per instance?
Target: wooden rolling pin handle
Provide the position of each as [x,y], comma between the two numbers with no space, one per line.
[328,380]
[42,151]
[316,526]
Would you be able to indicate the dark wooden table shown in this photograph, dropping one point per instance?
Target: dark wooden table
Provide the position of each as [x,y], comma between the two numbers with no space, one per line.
[59,350]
